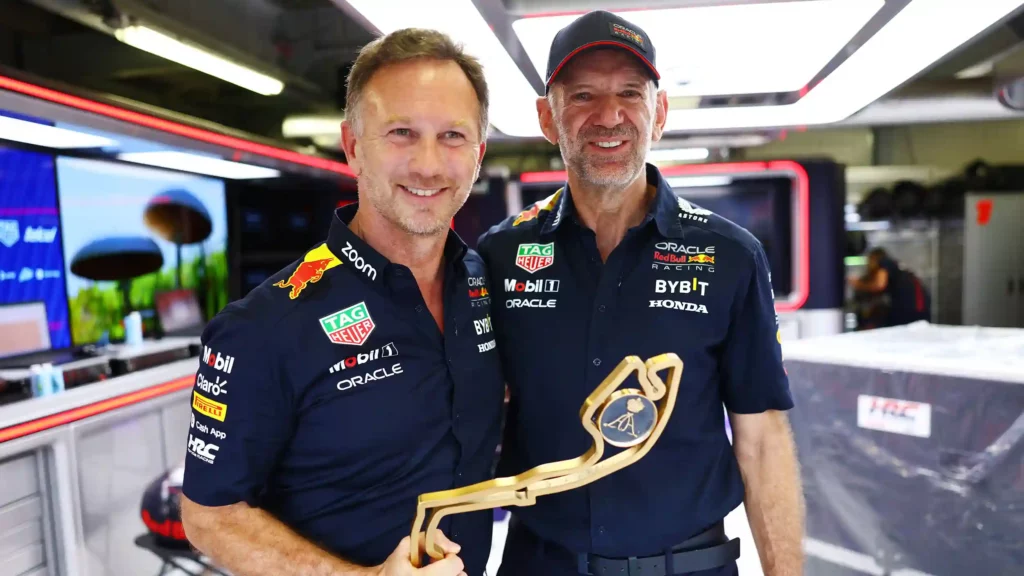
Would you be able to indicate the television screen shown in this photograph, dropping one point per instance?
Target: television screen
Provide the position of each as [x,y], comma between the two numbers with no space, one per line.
[177,310]
[762,206]
[131,233]
[31,269]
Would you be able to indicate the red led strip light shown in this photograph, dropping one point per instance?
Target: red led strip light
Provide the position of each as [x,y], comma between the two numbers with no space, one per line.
[147,121]
[54,420]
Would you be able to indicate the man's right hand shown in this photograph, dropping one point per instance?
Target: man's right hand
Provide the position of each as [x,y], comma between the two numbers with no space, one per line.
[398,563]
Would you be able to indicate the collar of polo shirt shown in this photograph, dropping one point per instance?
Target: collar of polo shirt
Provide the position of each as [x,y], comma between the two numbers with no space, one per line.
[366,262]
[664,210]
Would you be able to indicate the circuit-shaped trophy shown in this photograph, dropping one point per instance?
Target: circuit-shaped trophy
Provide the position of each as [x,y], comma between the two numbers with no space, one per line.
[630,418]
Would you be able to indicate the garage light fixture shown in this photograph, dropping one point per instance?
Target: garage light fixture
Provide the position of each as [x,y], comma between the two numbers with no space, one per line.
[919,35]
[198,164]
[48,136]
[165,46]
[308,126]
[678,155]
[698,181]
[739,49]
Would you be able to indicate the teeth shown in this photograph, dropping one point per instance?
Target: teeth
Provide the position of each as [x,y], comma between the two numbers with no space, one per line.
[609,144]
[425,192]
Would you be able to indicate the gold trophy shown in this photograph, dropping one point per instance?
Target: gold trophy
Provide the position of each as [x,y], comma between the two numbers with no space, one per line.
[630,418]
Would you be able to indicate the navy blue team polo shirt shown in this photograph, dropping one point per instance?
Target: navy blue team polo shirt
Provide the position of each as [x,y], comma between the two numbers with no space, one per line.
[685,281]
[329,397]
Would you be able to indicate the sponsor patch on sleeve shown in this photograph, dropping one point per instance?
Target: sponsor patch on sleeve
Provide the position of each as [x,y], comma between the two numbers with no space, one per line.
[207,407]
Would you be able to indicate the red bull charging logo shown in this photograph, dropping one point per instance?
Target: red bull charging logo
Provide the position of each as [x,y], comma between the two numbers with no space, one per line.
[310,270]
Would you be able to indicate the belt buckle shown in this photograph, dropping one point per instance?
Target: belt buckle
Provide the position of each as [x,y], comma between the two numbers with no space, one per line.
[588,568]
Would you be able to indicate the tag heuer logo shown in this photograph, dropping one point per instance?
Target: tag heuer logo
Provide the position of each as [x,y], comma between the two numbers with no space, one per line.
[533,257]
[349,326]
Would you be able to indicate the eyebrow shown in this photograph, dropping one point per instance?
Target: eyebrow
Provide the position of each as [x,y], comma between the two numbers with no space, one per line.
[580,85]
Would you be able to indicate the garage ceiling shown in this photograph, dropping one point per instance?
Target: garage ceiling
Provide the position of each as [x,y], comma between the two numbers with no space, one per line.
[733,67]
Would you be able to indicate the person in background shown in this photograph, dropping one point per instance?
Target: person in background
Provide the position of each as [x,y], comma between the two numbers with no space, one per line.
[615,264]
[366,374]
[888,294]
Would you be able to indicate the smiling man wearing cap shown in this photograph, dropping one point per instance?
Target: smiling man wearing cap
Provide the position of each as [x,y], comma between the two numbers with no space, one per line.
[615,264]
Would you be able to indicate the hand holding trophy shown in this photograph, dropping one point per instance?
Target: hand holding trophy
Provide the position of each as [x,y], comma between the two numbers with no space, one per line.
[630,418]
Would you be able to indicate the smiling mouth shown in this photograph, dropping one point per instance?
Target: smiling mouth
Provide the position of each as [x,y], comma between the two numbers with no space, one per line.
[422,192]
[610,145]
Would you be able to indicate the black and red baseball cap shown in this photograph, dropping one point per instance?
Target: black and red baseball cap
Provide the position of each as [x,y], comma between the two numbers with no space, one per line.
[599,29]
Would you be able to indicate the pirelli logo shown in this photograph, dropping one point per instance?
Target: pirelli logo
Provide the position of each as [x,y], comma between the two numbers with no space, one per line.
[208,407]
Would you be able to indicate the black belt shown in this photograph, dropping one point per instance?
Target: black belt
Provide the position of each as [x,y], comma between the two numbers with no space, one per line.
[707,550]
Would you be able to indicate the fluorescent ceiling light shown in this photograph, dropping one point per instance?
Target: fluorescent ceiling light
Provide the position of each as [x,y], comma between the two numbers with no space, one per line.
[309,126]
[173,49]
[977,71]
[512,109]
[678,155]
[919,35]
[200,165]
[740,49]
[696,181]
[713,141]
[48,136]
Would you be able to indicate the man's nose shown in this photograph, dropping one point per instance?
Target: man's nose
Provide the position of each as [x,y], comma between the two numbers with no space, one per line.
[427,160]
[609,113]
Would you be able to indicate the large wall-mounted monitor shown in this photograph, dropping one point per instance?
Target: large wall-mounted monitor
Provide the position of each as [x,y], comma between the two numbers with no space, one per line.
[131,233]
[783,203]
[31,268]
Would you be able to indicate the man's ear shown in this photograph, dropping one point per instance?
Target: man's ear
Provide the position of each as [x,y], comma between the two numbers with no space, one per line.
[546,117]
[348,144]
[660,114]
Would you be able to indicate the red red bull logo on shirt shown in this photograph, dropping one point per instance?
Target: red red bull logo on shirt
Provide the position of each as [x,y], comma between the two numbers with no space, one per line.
[533,257]
[672,255]
[352,325]
[310,270]
[533,211]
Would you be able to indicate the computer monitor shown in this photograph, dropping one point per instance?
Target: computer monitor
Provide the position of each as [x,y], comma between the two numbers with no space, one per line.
[762,206]
[31,262]
[178,310]
[132,232]
[24,329]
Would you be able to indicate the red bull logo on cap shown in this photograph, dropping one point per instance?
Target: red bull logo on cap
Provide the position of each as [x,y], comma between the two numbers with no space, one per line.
[310,270]
[352,325]
[627,34]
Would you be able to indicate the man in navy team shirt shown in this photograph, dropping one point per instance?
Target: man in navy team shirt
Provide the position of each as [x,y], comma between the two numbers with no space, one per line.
[366,374]
[614,264]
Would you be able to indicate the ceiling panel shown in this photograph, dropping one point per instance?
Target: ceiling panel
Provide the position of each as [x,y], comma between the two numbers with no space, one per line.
[746,49]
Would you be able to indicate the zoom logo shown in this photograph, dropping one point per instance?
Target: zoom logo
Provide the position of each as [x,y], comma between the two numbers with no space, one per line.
[356,260]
